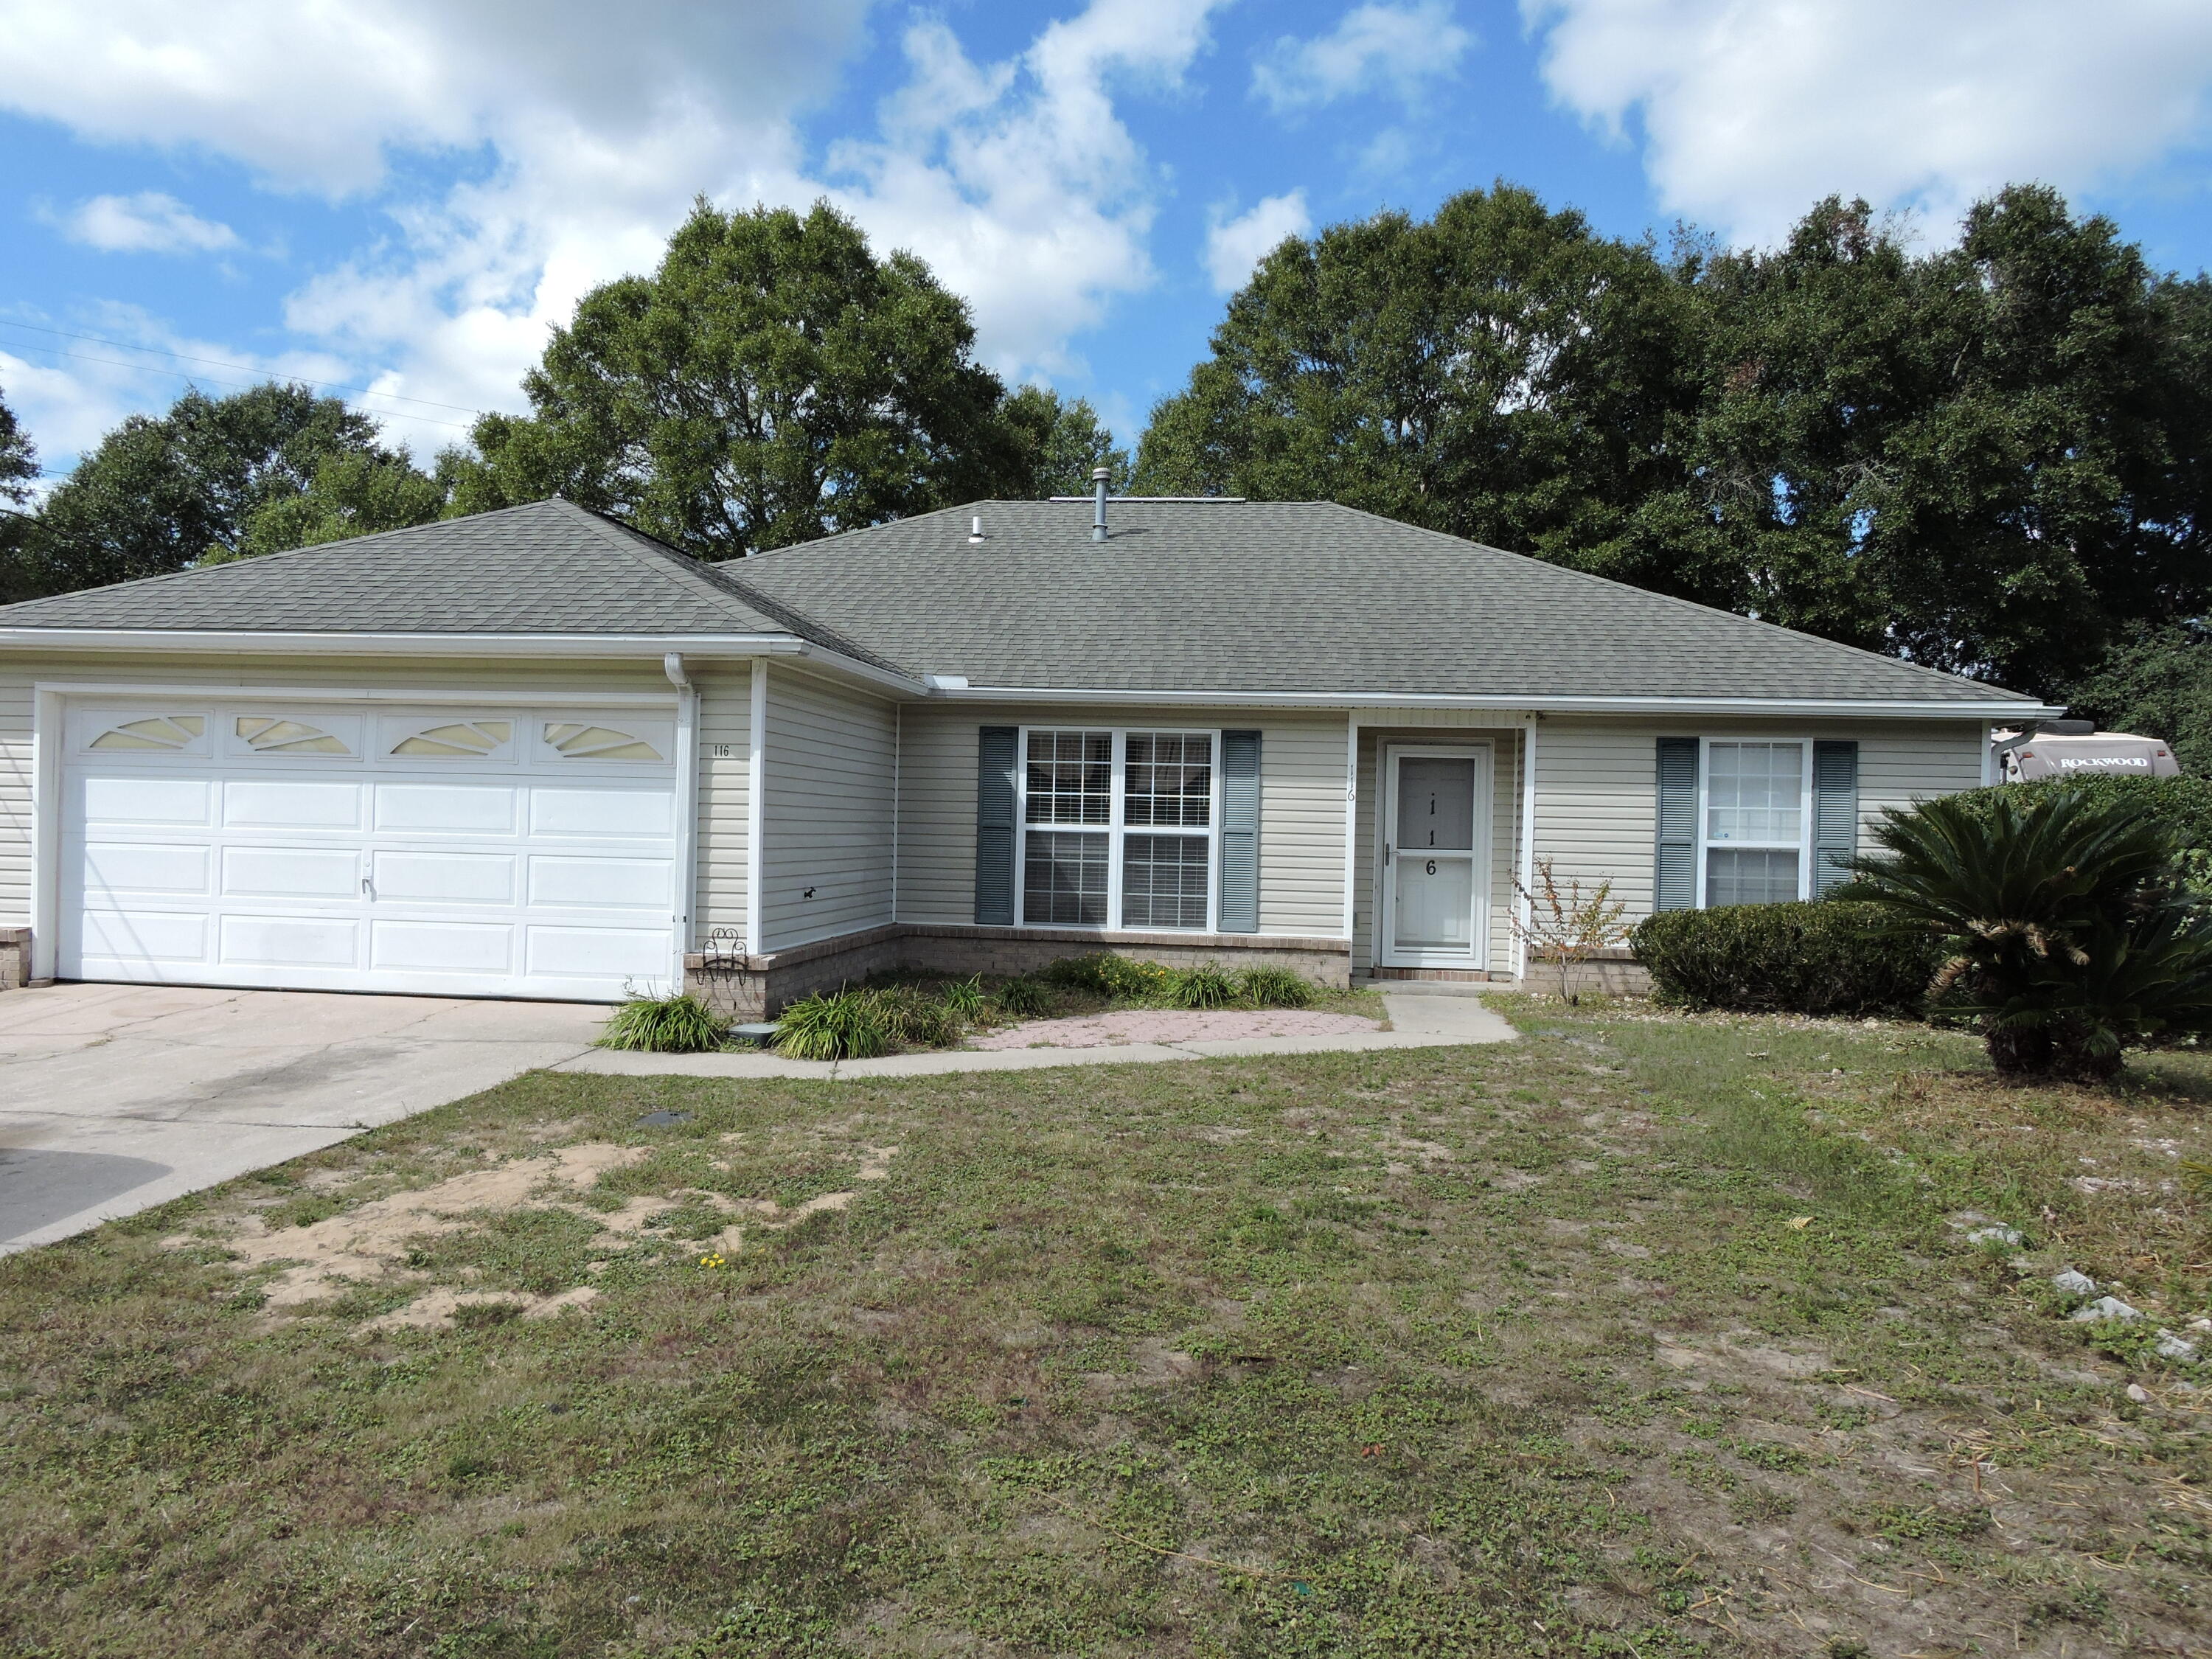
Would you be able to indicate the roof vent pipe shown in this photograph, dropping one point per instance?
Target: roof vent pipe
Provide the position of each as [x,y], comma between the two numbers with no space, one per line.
[1099,475]
[975,528]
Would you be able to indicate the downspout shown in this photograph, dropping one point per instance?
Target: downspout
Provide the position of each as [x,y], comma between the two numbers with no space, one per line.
[686,808]
[1351,835]
[757,811]
[1524,902]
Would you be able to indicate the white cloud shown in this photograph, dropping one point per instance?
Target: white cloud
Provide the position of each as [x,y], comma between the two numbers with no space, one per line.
[1234,246]
[1373,48]
[149,222]
[1751,110]
[578,146]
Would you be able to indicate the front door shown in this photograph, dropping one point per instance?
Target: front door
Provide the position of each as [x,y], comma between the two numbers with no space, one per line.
[1435,910]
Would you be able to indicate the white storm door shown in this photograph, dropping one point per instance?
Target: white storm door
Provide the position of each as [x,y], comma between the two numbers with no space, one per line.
[1435,816]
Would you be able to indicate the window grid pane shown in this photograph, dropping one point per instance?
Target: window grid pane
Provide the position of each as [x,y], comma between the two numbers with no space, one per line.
[1754,792]
[1170,779]
[1071,777]
[1744,875]
[1064,879]
[1163,880]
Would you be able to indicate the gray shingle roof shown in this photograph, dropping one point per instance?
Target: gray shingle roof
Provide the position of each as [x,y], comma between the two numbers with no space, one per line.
[548,568]
[1290,596]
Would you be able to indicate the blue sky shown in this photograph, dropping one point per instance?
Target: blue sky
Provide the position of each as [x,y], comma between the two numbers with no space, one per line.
[404,196]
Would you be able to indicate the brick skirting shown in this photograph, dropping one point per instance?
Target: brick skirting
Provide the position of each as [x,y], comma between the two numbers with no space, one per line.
[15,958]
[757,987]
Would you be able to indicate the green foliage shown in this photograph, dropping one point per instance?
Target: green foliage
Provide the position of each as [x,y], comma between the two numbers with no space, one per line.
[1824,957]
[1106,975]
[773,382]
[350,494]
[1990,457]
[19,464]
[2157,682]
[1062,441]
[663,1026]
[163,492]
[912,1019]
[1023,998]
[2182,805]
[1275,987]
[1206,985]
[964,999]
[844,1024]
[2070,935]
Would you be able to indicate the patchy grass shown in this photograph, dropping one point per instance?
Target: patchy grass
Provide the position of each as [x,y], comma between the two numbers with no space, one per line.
[1645,1336]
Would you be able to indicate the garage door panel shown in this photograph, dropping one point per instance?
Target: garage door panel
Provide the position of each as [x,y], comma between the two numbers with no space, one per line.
[289,941]
[497,862]
[145,866]
[596,953]
[152,935]
[428,878]
[183,802]
[445,947]
[611,814]
[290,804]
[423,809]
[602,884]
[325,872]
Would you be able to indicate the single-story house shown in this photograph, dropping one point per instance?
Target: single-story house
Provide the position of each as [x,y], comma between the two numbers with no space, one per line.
[535,753]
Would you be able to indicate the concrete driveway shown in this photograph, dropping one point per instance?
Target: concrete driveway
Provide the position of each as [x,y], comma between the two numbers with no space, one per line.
[117,1097]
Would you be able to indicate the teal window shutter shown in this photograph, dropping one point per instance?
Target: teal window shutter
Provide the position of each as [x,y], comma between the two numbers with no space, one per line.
[1240,832]
[995,795]
[1674,884]
[1835,813]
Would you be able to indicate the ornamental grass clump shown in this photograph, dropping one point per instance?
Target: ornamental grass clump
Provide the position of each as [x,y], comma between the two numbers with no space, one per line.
[1206,985]
[663,1026]
[843,1024]
[1105,975]
[913,1020]
[1023,998]
[964,999]
[1275,987]
[2069,930]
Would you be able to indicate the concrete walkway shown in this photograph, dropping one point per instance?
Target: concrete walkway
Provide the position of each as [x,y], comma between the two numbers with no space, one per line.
[1420,1020]
[114,1099]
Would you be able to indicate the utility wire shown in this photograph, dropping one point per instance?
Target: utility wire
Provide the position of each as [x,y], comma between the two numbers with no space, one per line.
[217,362]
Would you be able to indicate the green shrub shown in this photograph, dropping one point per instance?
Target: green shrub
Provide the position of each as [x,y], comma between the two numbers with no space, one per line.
[1109,976]
[1823,957]
[917,1021]
[663,1026]
[964,997]
[1206,985]
[843,1024]
[1276,987]
[1023,998]
[2183,805]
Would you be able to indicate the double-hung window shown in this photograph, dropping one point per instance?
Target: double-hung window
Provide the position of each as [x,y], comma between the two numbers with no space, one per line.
[1755,821]
[1118,829]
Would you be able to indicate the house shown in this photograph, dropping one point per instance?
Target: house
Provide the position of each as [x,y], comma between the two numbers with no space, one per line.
[534,753]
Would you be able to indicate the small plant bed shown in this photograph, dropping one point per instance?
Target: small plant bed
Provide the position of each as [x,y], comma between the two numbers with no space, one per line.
[904,1013]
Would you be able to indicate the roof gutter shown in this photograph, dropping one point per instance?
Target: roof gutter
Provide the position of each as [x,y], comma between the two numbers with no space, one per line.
[1860,707]
[244,642]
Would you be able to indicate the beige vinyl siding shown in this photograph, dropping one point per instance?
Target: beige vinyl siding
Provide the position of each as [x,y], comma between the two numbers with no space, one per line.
[1596,784]
[725,779]
[1504,743]
[827,809]
[500,679]
[1301,805]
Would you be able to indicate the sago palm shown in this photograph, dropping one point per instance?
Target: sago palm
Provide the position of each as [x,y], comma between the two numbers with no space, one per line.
[2069,937]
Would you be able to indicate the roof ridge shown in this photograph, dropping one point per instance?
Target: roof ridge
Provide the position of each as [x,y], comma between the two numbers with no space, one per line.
[1796,635]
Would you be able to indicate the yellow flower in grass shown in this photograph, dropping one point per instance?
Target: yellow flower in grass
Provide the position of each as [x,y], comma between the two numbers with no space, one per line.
[712,1261]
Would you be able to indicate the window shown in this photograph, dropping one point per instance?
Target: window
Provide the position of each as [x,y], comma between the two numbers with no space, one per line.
[1754,822]
[1117,829]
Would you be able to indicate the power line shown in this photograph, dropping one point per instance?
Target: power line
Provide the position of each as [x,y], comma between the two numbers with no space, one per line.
[217,362]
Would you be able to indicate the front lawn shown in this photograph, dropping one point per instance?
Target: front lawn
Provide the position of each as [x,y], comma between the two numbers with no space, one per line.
[1646,1335]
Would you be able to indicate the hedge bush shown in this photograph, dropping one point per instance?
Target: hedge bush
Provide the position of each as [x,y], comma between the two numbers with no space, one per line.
[1821,956]
[2183,805]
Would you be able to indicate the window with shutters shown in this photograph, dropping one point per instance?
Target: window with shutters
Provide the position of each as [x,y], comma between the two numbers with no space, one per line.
[1753,825]
[1118,829]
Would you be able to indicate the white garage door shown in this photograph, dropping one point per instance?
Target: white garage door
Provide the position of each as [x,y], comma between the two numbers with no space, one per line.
[495,851]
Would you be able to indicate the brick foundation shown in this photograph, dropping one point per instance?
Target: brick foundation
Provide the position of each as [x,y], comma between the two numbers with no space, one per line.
[14,958]
[757,987]
[1614,973]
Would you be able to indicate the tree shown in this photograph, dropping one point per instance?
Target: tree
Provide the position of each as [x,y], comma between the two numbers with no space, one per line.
[772,382]
[1062,442]
[1989,458]
[350,494]
[161,492]
[19,464]
[2158,681]
[1500,371]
